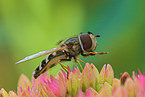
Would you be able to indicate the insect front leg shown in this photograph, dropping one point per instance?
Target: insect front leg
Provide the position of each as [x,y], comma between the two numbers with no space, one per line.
[93,53]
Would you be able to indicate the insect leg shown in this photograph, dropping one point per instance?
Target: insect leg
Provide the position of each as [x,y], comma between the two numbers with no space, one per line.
[81,61]
[94,53]
[80,64]
[63,66]
[100,53]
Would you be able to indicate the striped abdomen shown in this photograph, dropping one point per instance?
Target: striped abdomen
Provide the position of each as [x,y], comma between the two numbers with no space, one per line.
[50,61]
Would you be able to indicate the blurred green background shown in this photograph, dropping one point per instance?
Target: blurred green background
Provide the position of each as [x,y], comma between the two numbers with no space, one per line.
[31,26]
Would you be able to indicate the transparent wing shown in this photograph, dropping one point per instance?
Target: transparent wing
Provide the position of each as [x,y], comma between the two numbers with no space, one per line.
[40,54]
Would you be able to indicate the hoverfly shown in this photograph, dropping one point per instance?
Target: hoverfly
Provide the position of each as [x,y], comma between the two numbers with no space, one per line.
[68,49]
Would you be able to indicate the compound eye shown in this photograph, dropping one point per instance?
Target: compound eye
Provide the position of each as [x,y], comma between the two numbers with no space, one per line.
[86,41]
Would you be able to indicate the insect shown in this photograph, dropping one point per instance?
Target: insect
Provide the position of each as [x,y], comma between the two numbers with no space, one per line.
[84,44]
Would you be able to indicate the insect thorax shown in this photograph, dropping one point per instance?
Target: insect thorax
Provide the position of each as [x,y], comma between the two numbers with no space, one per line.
[74,47]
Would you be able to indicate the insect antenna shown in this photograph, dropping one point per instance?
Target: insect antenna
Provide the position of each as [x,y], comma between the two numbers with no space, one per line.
[98,35]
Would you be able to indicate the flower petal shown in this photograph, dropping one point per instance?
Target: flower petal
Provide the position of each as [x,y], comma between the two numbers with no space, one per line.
[124,77]
[130,86]
[25,93]
[98,87]
[24,82]
[140,84]
[115,84]
[102,74]
[108,87]
[109,74]
[90,92]
[45,92]
[121,92]
[96,73]
[3,93]
[62,83]
[80,94]
[73,84]
[104,93]
[12,94]
[88,77]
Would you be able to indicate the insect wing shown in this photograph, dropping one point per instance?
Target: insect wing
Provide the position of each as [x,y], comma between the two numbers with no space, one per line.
[40,54]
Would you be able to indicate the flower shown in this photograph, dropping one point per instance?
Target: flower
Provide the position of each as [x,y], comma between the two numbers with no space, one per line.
[88,83]
[3,93]
[140,84]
